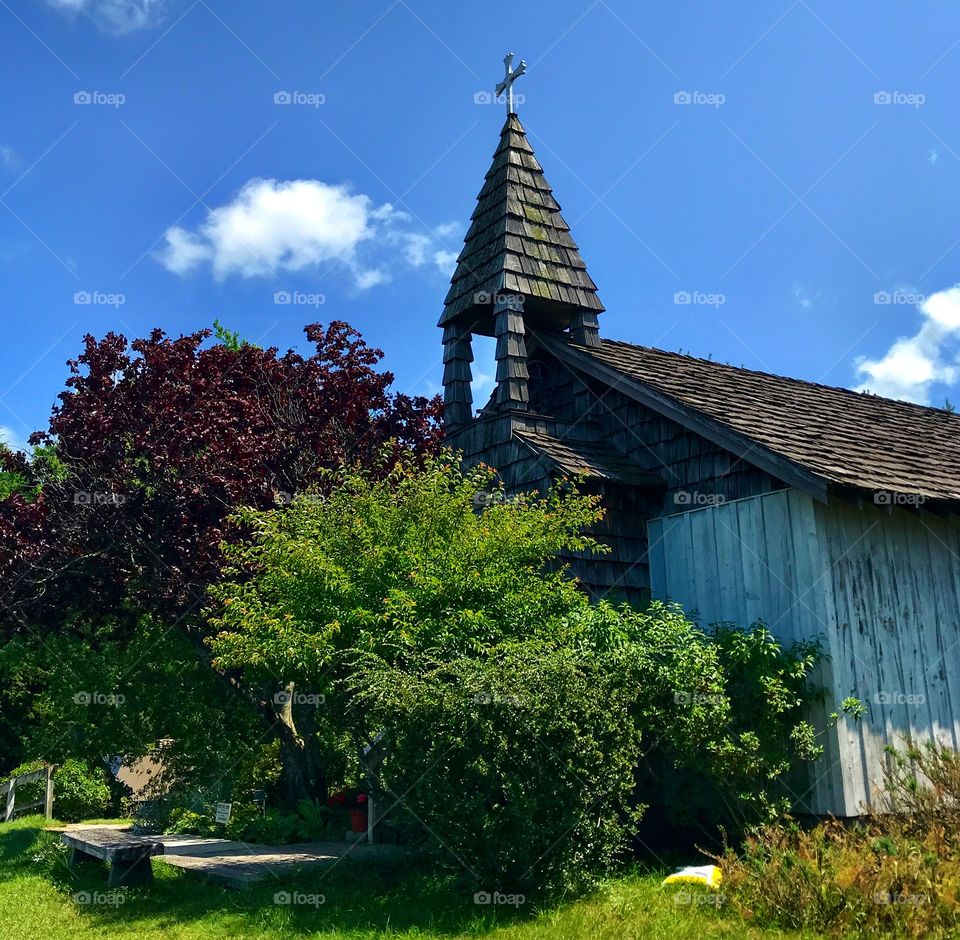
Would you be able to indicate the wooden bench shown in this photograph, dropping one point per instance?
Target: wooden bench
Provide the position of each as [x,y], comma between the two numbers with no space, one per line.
[128,855]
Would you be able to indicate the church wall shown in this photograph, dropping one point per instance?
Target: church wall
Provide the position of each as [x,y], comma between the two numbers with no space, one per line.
[620,575]
[697,472]
[894,576]
[881,588]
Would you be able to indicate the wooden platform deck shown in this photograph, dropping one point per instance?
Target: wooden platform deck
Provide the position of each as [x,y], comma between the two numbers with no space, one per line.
[241,864]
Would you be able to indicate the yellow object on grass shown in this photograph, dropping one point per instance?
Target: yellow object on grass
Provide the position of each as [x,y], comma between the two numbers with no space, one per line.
[708,875]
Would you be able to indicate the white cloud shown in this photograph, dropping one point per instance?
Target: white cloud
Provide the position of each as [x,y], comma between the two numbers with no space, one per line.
[115,16]
[914,363]
[184,250]
[419,249]
[9,158]
[368,279]
[802,295]
[445,260]
[9,437]
[481,387]
[273,226]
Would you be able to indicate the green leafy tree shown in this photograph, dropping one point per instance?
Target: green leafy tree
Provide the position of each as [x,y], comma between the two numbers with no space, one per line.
[394,564]
[384,602]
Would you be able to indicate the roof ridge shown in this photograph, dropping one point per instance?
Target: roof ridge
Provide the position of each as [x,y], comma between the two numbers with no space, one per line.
[860,396]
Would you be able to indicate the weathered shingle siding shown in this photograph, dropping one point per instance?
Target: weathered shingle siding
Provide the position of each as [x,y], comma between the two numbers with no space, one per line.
[687,462]
[620,575]
[894,628]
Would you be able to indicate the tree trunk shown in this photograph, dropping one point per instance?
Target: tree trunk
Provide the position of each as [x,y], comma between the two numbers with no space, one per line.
[302,776]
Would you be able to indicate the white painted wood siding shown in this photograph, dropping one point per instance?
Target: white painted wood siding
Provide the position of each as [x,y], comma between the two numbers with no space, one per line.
[881,586]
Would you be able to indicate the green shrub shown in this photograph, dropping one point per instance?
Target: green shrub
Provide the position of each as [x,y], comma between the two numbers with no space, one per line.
[519,767]
[754,745]
[80,791]
[379,598]
[188,822]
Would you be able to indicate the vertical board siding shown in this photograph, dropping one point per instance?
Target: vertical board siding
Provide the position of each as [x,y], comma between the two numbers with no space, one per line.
[896,576]
[747,560]
[880,587]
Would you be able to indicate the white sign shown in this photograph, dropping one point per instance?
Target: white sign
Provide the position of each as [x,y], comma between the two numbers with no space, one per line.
[223,812]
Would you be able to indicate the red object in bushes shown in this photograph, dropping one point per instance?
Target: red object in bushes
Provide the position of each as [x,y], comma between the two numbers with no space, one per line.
[358,820]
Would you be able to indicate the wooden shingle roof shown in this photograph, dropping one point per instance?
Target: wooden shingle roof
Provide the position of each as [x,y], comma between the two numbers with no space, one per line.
[841,437]
[517,241]
[590,460]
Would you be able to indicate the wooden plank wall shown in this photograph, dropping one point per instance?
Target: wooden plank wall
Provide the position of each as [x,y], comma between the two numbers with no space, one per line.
[894,576]
[883,589]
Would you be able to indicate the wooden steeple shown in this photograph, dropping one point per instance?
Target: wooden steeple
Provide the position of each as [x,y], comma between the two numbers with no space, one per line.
[520,269]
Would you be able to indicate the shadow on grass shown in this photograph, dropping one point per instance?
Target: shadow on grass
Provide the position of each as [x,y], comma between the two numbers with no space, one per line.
[17,843]
[349,897]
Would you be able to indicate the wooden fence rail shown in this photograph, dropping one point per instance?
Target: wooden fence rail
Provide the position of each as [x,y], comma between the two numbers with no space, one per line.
[9,788]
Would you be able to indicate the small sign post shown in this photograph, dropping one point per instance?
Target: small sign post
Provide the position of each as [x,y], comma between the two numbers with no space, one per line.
[223,813]
[48,794]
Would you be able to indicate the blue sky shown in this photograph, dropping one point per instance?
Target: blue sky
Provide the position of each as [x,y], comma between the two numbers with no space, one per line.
[775,185]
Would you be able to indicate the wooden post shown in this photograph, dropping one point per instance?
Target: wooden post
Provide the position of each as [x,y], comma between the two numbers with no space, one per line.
[457,356]
[48,801]
[512,374]
[11,799]
[585,329]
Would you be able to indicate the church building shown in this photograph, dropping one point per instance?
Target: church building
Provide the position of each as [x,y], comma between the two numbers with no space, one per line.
[739,494]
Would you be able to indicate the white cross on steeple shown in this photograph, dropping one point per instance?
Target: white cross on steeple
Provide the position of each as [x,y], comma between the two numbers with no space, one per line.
[512,74]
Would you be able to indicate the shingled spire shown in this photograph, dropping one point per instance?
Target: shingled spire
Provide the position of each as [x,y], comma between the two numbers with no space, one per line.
[519,270]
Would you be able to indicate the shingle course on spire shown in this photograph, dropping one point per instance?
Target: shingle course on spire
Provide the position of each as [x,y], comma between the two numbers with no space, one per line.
[518,241]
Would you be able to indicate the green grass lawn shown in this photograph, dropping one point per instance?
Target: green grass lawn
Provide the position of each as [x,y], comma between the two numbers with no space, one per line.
[40,898]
